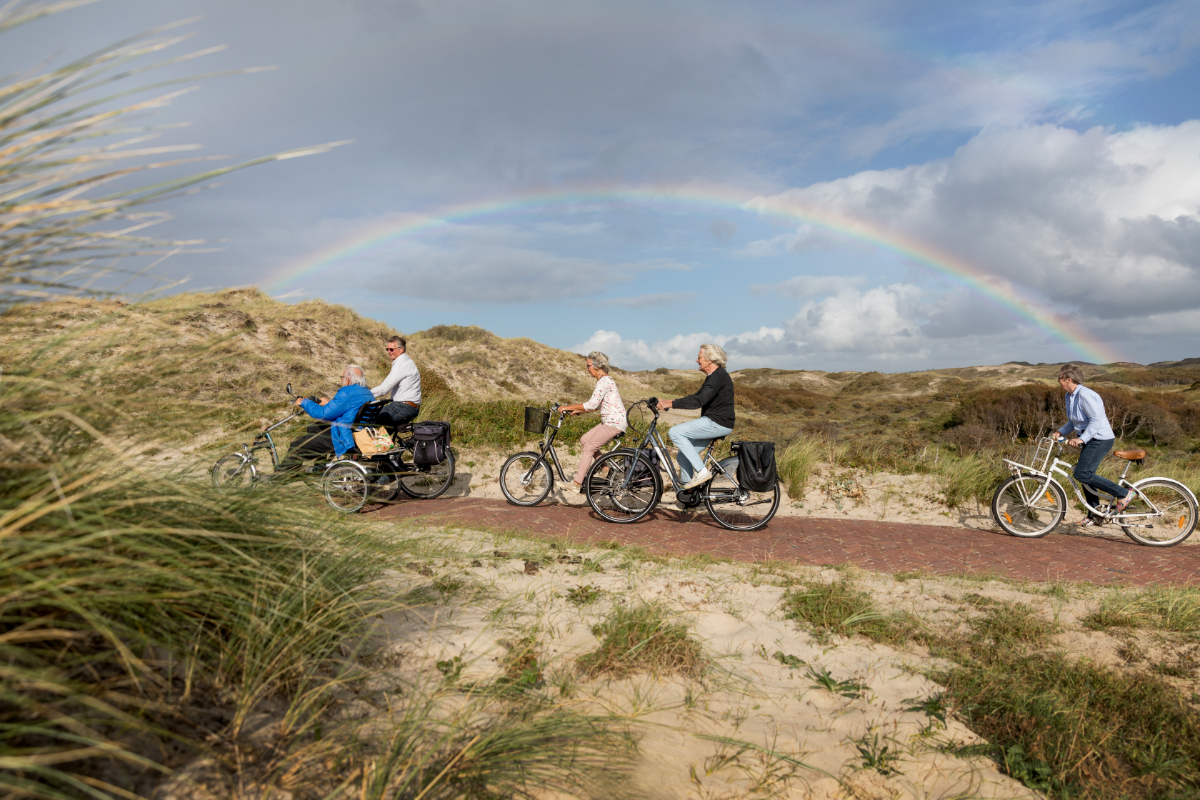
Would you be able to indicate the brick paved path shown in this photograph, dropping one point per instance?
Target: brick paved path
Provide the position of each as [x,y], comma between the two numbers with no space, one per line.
[878,546]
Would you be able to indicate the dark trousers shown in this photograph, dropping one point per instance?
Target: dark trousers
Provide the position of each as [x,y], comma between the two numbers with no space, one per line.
[1090,457]
[396,414]
[316,443]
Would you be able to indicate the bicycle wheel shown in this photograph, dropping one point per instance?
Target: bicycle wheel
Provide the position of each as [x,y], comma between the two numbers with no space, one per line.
[426,483]
[1172,510]
[736,508]
[526,479]
[232,472]
[618,500]
[346,488]
[385,488]
[1021,507]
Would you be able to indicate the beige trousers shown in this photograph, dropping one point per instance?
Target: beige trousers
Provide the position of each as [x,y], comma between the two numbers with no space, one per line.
[589,445]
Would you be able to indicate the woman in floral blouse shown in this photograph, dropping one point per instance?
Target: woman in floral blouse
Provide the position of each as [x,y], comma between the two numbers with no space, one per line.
[612,414]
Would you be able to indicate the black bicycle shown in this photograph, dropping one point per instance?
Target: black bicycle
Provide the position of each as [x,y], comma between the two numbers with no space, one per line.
[626,484]
[527,478]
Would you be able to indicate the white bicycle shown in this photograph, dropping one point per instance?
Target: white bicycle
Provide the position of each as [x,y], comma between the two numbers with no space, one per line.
[1032,502]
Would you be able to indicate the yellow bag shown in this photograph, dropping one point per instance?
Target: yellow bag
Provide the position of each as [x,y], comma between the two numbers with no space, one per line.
[372,441]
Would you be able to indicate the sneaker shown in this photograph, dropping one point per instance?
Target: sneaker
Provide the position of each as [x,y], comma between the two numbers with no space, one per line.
[1124,504]
[700,477]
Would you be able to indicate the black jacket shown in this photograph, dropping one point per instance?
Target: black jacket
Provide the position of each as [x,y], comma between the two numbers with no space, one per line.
[715,398]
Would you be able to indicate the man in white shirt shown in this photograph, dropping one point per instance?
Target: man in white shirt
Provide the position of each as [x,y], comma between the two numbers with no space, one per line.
[403,384]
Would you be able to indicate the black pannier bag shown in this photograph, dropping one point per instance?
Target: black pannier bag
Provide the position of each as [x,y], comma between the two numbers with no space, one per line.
[756,465]
[641,475]
[431,440]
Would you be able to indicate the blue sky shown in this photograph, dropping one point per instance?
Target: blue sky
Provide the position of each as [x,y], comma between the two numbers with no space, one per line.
[1053,147]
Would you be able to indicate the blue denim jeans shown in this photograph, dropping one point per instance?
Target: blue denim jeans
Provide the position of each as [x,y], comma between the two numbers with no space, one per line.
[396,414]
[1090,457]
[691,437]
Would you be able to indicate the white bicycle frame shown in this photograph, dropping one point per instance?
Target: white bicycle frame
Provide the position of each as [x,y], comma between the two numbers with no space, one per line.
[1044,452]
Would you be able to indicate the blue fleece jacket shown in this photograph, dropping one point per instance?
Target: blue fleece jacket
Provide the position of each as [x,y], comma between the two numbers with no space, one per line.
[341,410]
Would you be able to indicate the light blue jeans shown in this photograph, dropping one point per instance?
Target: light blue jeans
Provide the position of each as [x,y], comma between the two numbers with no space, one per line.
[691,437]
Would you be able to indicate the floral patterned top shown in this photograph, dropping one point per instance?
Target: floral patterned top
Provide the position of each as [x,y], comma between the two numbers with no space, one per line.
[608,400]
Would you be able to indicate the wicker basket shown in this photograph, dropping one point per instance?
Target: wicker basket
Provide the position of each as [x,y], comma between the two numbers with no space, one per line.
[536,419]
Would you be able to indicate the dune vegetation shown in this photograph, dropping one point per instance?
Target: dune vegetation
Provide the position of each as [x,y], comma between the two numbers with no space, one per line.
[160,640]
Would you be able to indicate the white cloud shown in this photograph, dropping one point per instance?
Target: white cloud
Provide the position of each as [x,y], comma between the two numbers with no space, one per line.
[1107,223]
[680,351]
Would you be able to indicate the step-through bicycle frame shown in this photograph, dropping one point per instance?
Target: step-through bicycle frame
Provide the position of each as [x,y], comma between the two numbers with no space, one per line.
[1050,464]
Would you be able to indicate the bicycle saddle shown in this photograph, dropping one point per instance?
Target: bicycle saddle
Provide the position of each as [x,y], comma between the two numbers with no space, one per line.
[1130,455]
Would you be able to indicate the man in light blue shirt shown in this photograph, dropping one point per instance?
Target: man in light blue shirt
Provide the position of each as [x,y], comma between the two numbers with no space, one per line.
[1085,415]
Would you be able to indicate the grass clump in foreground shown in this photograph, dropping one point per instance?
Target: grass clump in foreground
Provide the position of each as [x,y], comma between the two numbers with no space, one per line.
[1067,727]
[1167,608]
[149,624]
[841,608]
[643,637]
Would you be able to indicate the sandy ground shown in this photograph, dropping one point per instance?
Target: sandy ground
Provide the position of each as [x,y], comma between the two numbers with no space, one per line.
[753,726]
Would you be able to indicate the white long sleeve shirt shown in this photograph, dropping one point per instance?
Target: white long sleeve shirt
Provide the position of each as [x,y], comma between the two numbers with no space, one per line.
[403,382]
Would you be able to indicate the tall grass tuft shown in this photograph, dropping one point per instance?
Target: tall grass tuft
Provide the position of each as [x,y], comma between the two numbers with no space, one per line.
[643,637]
[966,478]
[70,155]
[797,463]
[842,608]
[134,604]
[1169,608]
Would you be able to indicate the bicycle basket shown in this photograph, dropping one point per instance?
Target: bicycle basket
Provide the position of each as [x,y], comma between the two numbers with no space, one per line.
[536,419]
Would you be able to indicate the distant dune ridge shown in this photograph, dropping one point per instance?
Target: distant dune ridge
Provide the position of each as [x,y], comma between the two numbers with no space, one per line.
[231,353]
[308,343]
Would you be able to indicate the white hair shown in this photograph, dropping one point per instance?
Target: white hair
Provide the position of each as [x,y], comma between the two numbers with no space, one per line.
[714,354]
[599,361]
[354,373]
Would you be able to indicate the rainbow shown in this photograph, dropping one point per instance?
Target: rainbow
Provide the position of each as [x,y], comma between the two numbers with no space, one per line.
[999,292]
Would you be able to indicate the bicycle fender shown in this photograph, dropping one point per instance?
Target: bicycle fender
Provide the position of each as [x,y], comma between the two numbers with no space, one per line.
[1171,481]
[361,468]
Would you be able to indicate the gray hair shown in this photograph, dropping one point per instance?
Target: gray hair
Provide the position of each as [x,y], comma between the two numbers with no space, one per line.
[354,373]
[400,340]
[714,354]
[1071,372]
[599,361]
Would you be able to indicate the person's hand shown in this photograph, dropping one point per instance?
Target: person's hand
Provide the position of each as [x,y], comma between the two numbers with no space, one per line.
[299,400]
[1076,443]
[323,400]
[663,405]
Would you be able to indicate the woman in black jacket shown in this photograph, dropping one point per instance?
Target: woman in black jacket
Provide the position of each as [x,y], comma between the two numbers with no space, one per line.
[715,401]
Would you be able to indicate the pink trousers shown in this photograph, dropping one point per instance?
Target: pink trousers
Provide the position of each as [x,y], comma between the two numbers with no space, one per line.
[590,444]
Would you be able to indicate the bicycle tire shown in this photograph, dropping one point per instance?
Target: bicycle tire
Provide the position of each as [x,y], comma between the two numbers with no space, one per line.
[619,503]
[1175,505]
[739,509]
[531,479]
[232,472]
[431,482]
[1015,514]
[346,487]
[385,488]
